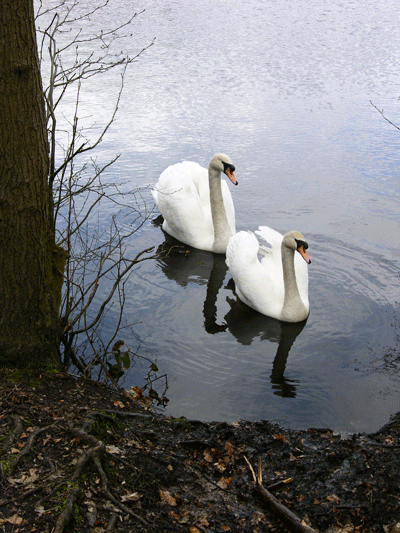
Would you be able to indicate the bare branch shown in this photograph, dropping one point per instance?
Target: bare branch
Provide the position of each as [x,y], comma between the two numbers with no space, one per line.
[387,120]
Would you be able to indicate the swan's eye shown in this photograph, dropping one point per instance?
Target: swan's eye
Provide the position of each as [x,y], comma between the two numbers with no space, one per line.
[227,165]
[301,243]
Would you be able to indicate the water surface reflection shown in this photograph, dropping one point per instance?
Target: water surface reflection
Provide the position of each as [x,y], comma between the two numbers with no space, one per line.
[184,265]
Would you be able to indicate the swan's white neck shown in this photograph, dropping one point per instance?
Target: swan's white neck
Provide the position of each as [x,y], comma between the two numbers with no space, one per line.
[222,231]
[293,309]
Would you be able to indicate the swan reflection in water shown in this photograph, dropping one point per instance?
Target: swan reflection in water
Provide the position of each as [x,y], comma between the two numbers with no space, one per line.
[245,324]
[184,265]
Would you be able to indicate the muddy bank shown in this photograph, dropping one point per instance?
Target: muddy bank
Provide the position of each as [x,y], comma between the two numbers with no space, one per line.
[78,456]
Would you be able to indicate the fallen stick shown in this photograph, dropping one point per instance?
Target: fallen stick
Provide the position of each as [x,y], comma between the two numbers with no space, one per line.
[291,519]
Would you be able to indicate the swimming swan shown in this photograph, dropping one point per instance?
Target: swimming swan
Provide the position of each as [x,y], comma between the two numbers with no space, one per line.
[196,205]
[276,286]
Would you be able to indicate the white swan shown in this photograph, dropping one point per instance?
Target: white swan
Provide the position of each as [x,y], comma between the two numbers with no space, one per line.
[276,286]
[196,205]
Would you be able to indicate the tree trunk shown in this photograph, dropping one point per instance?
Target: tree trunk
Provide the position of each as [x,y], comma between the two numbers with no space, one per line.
[28,299]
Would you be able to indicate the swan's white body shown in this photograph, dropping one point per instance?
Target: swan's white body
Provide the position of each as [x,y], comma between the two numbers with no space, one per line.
[196,204]
[276,286]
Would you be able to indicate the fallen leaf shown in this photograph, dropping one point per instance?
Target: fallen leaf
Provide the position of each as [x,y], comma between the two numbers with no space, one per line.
[25,479]
[258,518]
[333,498]
[224,482]
[113,449]
[229,448]
[136,392]
[279,436]
[119,404]
[167,498]
[40,510]
[202,522]
[221,466]
[15,519]
[207,456]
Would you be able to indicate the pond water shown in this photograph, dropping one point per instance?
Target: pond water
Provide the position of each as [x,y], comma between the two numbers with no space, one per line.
[285,88]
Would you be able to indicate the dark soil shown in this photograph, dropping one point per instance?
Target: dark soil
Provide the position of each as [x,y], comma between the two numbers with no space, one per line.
[78,456]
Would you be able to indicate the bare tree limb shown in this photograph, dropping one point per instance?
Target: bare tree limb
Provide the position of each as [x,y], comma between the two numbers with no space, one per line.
[387,120]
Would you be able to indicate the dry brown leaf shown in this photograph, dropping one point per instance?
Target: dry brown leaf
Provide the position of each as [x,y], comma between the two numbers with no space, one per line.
[258,518]
[119,404]
[221,466]
[224,482]
[136,392]
[15,519]
[333,498]
[202,522]
[25,479]
[207,456]
[279,436]
[390,440]
[194,529]
[113,449]
[229,448]
[167,498]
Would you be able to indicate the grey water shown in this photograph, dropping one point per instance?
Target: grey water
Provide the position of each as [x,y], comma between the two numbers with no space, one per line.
[285,88]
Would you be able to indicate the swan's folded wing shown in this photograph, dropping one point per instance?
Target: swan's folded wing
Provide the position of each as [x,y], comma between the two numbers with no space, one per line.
[242,250]
[255,285]
[271,236]
[179,202]
[272,260]
[198,175]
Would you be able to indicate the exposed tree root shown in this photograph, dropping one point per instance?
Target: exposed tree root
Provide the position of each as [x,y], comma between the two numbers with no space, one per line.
[14,435]
[94,454]
[66,514]
[26,449]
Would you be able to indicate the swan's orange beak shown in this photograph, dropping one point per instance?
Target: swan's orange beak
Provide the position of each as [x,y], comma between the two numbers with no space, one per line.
[304,254]
[231,175]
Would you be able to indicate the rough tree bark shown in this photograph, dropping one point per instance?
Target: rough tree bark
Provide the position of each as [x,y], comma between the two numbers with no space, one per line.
[28,275]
